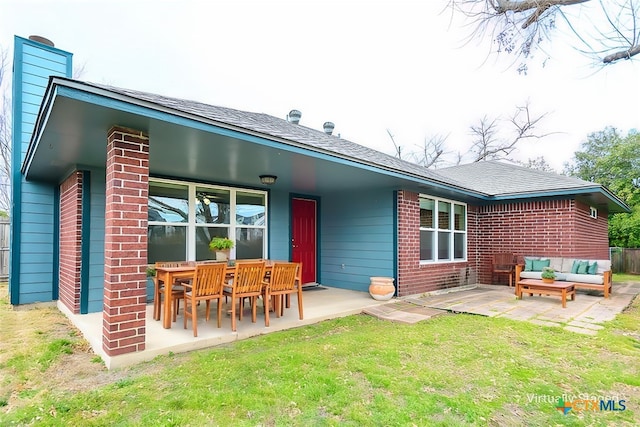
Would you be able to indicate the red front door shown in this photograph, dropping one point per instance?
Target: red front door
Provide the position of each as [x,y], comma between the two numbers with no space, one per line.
[304,237]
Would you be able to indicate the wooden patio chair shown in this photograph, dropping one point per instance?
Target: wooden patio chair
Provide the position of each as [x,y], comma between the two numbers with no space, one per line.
[503,264]
[177,291]
[283,282]
[207,285]
[248,281]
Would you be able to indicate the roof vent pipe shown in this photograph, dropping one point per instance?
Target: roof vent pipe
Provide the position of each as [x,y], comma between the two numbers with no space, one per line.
[42,40]
[294,116]
[328,127]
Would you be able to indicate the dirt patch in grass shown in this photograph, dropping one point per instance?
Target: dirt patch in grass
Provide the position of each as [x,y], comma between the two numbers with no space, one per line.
[68,365]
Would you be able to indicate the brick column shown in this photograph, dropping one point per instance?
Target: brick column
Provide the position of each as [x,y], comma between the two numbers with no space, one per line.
[125,249]
[408,242]
[70,241]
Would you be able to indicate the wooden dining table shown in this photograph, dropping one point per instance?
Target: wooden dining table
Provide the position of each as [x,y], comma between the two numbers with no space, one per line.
[168,275]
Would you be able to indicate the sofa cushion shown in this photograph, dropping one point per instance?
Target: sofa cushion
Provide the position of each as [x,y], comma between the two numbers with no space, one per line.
[555,263]
[583,267]
[574,266]
[593,267]
[603,265]
[595,279]
[531,275]
[539,264]
[528,264]
[538,275]
[561,276]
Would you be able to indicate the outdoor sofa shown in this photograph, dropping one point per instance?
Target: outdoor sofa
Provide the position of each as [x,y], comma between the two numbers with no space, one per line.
[592,274]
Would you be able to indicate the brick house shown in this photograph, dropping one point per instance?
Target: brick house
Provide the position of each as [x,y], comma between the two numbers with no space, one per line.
[108,180]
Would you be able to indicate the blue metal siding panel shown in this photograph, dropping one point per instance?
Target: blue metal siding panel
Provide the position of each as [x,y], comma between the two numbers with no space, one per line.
[96,251]
[33,233]
[55,58]
[279,228]
[36,68]
[36,272]
[38,268]
[34,84]
[357,238]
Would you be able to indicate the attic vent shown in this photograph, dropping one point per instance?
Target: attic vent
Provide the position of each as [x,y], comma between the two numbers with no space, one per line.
[294,116]
[42,40]
[328,127]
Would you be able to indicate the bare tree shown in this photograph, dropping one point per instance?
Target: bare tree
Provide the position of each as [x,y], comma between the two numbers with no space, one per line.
[606,29]
[539,163]
[484,140]
[398,148]
[491,140]
[490,144]
[429,154]
[5,136]
[431,151]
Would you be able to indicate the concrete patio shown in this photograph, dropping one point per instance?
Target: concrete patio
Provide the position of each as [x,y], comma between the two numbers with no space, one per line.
[320,303]
[584,315]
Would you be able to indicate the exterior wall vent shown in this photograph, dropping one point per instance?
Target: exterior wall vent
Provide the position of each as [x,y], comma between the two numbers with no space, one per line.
[294,116]
[328,127]
[42,40]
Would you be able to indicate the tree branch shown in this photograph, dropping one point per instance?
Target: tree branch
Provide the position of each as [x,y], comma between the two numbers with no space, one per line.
[623,54]
[504,6]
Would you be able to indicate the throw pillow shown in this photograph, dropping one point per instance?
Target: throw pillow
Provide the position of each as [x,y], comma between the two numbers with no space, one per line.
[583,267]
[538,264]
[528,264]
[574,267]
[593,268]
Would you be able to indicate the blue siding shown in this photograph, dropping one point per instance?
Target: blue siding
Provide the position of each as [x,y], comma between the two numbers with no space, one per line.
[357,238]
[36,272]
[32,276]
[96,252]
[279,228]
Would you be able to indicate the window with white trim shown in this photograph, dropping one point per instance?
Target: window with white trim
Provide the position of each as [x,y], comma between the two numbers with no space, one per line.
[593,212]
[183,217]
[443,230]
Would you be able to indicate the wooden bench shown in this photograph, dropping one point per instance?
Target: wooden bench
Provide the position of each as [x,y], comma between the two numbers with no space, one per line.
[535,286]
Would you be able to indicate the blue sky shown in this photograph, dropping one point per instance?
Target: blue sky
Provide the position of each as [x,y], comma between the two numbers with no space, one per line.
[367,66]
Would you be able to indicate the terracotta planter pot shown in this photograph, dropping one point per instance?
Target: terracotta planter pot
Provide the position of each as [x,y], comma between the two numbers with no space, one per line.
[382,288]
[548,280]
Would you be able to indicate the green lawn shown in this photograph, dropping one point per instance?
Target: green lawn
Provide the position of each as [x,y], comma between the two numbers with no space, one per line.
[451,370]
[623,277]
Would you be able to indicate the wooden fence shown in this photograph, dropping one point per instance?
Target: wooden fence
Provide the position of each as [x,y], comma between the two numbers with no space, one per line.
[4,249]
[625,260]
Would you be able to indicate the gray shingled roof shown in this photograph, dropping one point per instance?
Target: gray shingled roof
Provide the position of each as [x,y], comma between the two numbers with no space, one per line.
[500,179]
[489,178]
[271,126]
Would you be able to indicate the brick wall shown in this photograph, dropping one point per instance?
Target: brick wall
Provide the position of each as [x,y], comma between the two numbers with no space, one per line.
[125,241]
[70,241]
[591,234]
[414,278]
[553,228]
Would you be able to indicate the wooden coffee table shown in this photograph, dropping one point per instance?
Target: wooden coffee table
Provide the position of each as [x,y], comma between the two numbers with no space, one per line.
[536,286]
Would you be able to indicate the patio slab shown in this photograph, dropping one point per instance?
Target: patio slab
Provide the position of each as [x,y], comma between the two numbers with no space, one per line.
[583,315]
[402,312]
[320,303]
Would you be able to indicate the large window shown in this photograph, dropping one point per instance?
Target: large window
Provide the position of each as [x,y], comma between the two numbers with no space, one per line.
[443,230]
[184,217]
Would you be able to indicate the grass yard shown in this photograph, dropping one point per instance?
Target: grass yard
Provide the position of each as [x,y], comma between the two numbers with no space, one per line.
[452,370]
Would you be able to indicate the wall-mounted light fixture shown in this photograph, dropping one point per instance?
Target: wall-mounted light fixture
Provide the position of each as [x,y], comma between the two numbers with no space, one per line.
[268,179]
